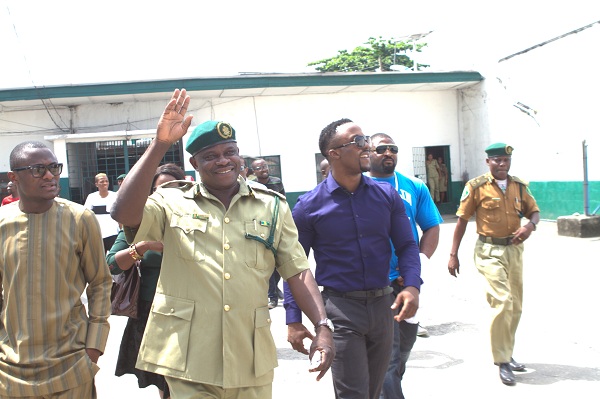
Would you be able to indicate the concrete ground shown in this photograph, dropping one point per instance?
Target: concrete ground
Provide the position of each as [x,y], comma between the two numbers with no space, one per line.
[557,338]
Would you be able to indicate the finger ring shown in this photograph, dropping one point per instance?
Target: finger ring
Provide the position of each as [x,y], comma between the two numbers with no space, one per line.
[520,238]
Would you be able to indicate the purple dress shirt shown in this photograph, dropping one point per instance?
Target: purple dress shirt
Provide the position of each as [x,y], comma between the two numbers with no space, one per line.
[350,235]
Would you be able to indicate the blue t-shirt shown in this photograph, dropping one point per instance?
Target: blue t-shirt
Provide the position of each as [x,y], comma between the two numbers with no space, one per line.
[420,208]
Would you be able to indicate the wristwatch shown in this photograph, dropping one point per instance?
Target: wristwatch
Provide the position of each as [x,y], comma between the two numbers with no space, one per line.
[325,322]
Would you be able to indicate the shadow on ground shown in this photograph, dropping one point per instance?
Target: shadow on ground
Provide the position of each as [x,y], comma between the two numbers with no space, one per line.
[545,374]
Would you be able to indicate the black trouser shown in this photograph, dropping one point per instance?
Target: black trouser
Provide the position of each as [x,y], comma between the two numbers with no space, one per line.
[363,341]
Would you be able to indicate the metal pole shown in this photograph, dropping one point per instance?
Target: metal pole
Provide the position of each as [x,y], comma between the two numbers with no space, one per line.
[586,200]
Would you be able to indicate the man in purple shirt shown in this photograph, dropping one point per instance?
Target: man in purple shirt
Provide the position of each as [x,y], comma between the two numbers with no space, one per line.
[348,220]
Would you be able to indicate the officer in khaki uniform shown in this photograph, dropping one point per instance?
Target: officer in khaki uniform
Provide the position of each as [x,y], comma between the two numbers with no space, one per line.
[499,201]
[209,326]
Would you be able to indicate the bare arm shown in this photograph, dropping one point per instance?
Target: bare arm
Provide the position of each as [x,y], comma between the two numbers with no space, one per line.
[172,126]
[429,241]
[459,232]
[308,297]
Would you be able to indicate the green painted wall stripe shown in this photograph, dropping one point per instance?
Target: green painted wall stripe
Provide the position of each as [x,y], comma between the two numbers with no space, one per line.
[555,198]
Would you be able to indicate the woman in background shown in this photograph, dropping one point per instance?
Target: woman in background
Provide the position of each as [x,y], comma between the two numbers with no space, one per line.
[121,258]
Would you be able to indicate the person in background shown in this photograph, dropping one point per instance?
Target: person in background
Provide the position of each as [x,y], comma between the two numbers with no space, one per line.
[120,179]
[423,213]
[123,256]
[443,179]
[498,201]
[324,166]
[349,220]
[52,252]
[261,170]
[433,177]
[13,194]
[209,329]
[101,202]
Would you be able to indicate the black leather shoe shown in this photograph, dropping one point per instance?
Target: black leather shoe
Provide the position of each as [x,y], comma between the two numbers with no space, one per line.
[273,303]
[516,366]
[506,375]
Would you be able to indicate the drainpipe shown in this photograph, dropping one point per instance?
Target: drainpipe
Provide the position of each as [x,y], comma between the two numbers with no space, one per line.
[586,200]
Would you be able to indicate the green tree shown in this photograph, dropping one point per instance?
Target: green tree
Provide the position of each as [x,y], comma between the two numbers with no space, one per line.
[379,55]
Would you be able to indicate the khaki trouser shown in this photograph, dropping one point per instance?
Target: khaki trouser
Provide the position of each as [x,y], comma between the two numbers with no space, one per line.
[86,391]
[434,187]
[502,266]
[182,389]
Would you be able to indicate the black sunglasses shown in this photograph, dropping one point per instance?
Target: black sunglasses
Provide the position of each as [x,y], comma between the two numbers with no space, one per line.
[40,170]
[381,149]
[360,141]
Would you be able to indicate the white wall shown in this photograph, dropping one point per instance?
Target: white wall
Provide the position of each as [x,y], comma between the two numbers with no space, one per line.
[288,126]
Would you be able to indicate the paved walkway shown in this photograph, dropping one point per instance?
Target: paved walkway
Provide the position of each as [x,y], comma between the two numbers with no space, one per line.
[557,338]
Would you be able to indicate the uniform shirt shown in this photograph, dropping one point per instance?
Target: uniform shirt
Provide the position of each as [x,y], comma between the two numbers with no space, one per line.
[210,321]
[420,208]
[350,235]
[102,207]
[496,213]
[149,268]
[432,170]
[47,259]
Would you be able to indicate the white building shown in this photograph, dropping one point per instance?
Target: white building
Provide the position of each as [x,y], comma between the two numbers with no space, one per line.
[106,127]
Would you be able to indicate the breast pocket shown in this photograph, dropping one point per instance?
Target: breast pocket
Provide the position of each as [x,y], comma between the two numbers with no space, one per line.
[188,233]
[167,339]
[258,252]
[491,211]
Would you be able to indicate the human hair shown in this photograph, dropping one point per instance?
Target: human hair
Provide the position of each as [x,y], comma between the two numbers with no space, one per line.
[170,169]
[382,136]
[327,134]
[18,153]
[100,175]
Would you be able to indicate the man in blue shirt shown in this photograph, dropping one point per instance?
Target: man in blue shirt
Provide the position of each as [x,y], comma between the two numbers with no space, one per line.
[421,211]
[348,220]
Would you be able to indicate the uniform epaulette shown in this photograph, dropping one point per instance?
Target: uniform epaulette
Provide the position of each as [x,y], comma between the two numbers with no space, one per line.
[478,181]
[268,191]
[517,180]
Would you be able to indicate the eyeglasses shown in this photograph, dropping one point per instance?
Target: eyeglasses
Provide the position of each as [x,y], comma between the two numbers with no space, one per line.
[261,167]
[381,149]
[40,170]
[360,141]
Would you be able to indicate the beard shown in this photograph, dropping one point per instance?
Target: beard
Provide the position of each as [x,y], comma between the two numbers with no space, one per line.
[387,168]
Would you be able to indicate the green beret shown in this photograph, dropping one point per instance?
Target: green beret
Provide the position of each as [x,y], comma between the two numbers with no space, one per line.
[208,134]
[498,149]
[121,177]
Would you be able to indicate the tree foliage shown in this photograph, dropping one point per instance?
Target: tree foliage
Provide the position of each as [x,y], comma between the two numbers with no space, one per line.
[378,55]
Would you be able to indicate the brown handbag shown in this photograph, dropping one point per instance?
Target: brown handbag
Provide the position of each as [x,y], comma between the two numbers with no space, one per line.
[125,292]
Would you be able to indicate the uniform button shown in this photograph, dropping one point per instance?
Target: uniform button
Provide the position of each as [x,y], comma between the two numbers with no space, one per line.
[262,235]
[226,220]
[268,320]
[226,246]
[227,308]
[172,310]
[227,276]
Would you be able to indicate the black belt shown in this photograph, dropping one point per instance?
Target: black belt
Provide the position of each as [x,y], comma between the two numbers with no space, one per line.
[360,294]
[496,241]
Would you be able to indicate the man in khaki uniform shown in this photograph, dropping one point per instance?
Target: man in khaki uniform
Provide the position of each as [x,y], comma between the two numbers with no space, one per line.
[499,201]
[209,326]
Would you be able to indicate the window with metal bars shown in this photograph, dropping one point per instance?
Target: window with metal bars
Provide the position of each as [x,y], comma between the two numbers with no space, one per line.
[86,160]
